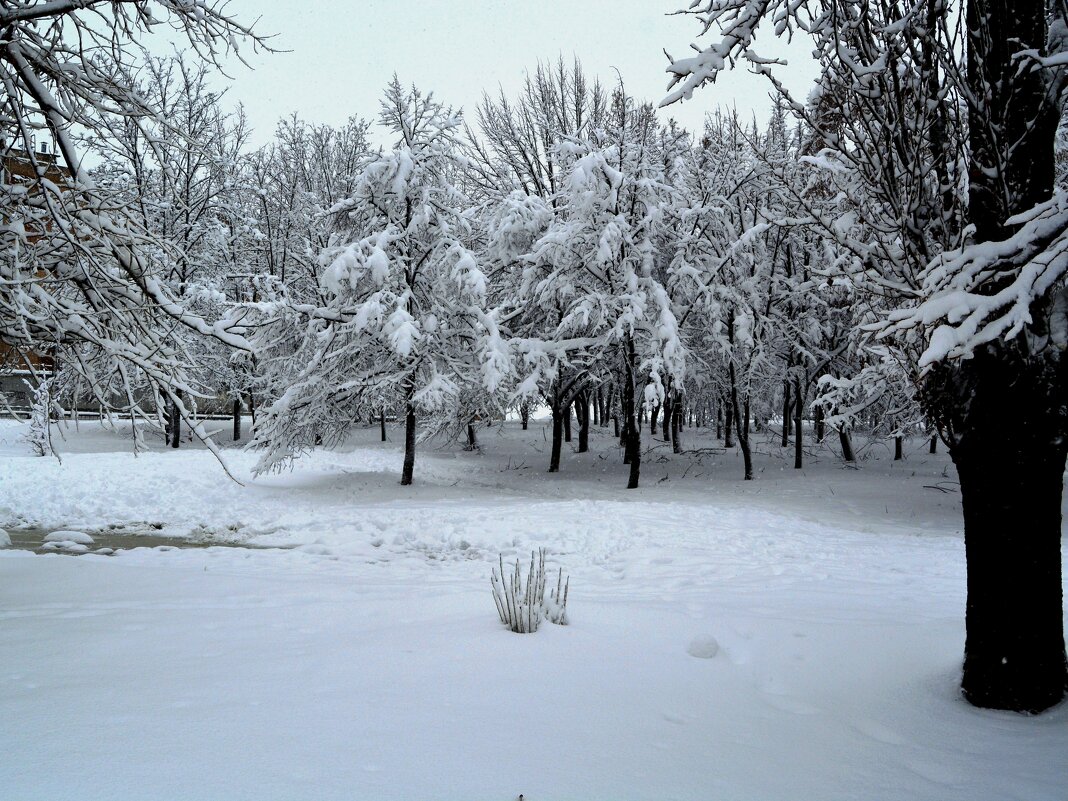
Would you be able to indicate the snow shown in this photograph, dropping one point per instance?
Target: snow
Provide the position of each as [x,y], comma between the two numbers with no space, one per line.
[797,636]
[79,537]
[5,539]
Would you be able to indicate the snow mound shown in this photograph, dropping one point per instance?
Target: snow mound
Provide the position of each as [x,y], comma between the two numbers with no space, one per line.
[5,539]
[79,537]
[703,647]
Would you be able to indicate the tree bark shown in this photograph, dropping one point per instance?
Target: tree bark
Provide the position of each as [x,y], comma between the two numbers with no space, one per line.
[409,441]
[847,445]
[799,454]
[676,426]
[582,410]
[899,448]
[728,432]
[558,437]
[653,415]
[175,424]
[237,419]
[786,407]
[524,415]
[567,422]
[382,423]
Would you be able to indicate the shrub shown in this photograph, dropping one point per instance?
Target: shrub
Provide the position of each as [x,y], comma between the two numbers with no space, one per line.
[521,602]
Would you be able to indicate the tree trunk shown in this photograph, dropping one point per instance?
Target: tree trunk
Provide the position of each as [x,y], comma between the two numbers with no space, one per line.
[899,449]
[821,427]
[409,441]
[786,407]
[382,424]
[799,455]
[728,432]
[634,430]
[668,414]
[847,445]
[558,438]
[524,415]
[719,421]
[175,427]
[676,426]
[597,406]
[252,409]
[1011,476]
[934,443]
[653,415]
[743,433]
[567,422]
[582,410]
[237,420]
[472,440]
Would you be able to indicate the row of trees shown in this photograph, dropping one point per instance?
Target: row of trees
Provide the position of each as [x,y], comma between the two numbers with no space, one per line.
[891,247]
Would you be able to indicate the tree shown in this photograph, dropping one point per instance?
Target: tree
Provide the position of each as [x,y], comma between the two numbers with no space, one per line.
[78,266]
[404,316]
[985,320]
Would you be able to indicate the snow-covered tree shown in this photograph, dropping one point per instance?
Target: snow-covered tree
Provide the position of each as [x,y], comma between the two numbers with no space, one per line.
[404,318]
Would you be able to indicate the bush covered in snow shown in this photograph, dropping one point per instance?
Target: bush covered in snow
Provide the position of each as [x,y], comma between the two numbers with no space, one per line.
[522,603]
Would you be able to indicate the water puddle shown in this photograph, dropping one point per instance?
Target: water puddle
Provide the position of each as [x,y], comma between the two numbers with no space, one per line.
[109,540]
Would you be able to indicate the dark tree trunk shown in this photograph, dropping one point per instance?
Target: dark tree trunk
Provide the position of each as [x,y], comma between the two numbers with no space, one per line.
[786,407]
[847,445]
[934,443]
[1011,476]
[728,425]
[899,449]
[653,415]
[799,455]
[237,420]
[175,424]
[558,437]
[634,430]
[668,414]
[676,426]
[382,424]
[252,409]
[524,415]
[472,440]
[409,442]
[597,407]
[719,421]
[582,411]
[743,433]
[615,425]
[567,422]
[821,426]
[1011,480]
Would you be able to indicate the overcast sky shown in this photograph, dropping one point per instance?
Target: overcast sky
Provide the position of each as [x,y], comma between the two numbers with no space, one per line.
[341,53]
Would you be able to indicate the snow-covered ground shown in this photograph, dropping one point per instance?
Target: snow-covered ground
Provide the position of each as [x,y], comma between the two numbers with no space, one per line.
[360,656]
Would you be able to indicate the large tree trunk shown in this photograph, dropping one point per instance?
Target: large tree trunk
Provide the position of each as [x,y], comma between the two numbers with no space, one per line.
[1011,476]
[567,422]
[634,430]
[676,426]
[821,426]
[524,415]
[743,429]
[653,415]
[899,448]
[1012,480]
[382,423]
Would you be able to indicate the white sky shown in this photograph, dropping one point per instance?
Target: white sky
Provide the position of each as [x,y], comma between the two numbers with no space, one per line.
[342,53]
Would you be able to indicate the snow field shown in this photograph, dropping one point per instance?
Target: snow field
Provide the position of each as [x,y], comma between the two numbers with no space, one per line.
[717,648]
